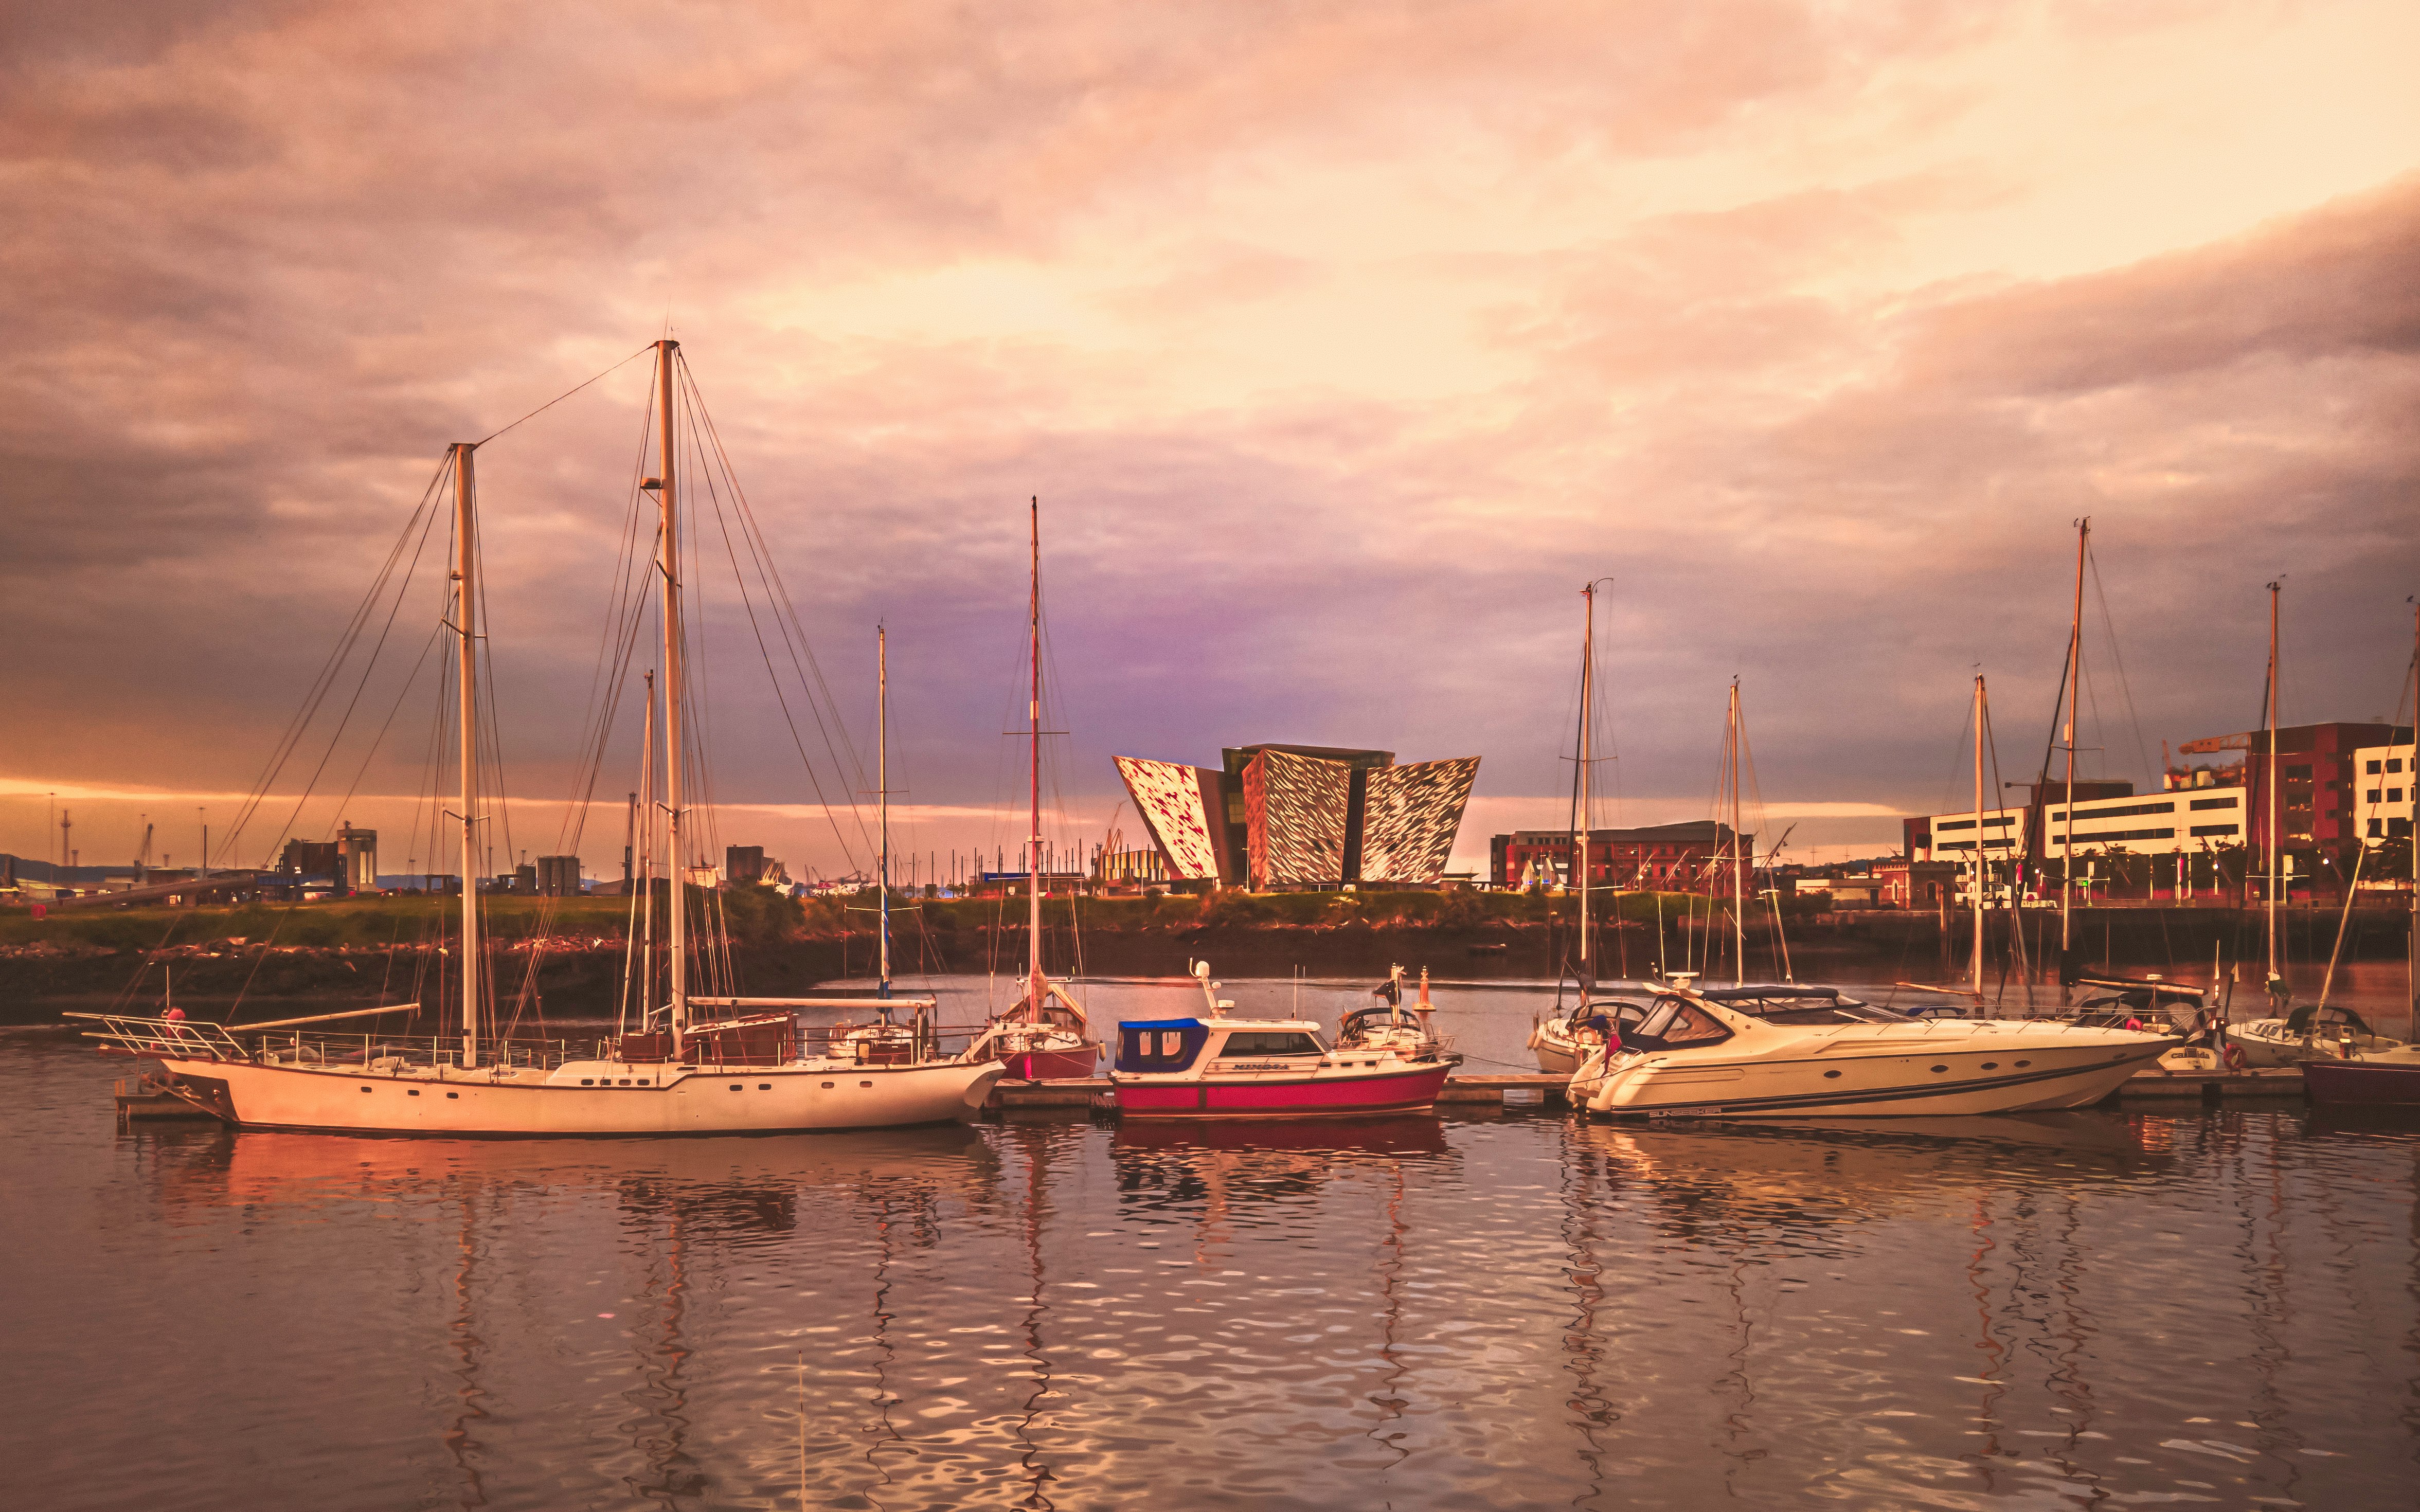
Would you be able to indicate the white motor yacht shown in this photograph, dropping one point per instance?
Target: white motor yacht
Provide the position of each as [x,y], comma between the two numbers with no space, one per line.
[1789,1051]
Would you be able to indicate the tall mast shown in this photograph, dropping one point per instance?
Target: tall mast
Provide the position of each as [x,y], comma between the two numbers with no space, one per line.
[647,862]
[882,797]
[668,560]
[466,621]
[1580,819]
[2412,790]
[1037,985]
[1739,861]
[2074,692]
[2276,841]
[1979,834]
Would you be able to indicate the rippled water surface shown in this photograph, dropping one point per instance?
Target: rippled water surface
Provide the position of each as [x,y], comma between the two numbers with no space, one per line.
[2216,1308]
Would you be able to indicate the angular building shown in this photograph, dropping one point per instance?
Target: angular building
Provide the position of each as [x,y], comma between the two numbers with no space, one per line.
[1302,816]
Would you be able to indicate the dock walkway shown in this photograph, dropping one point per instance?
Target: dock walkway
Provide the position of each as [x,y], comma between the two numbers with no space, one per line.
[2168,1087]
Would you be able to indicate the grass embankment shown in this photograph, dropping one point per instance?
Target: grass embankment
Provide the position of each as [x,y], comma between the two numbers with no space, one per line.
[759,917]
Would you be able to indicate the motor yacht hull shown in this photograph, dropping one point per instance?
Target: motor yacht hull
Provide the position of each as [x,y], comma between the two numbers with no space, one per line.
[1932,1082]
[1407,1088]
[654,1099]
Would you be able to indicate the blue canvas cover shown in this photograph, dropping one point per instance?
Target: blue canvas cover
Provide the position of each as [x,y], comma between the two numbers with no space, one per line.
[1160,1045]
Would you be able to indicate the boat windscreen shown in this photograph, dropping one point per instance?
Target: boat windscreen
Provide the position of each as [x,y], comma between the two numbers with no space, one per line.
[1822,1005]
[1674,1024]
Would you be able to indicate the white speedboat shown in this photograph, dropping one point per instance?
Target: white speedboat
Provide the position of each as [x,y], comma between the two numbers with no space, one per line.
[1780,1052]
[2308,1033]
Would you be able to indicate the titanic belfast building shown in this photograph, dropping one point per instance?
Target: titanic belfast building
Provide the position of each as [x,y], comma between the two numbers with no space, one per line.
[1277,817]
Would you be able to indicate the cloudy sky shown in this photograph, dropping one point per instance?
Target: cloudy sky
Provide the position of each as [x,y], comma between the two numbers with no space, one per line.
[1341,343]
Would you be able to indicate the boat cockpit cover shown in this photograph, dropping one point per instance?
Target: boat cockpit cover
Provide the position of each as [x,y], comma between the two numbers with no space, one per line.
[1160,1045]
[2311,1019]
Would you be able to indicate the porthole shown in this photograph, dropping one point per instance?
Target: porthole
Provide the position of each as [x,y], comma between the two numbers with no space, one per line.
[625,1081]
[764,1087]
[736,1088]
[1991,1065]
[364,1089]
[453,1094]
[412,1091]
[2023,1064]
[1831,1074]
[827,1087]
[588,1081]
[866,1083]
[645,1082]
[1940,1068]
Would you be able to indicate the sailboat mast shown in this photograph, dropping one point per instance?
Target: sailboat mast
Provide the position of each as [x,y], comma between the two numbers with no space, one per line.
[647,860]
[1037,985]
[2276,841]
[1739,860]
[2074,692]
[1580,828]
[1978,835]
[2412,769]
[668,558]
[466,624]
[882,797]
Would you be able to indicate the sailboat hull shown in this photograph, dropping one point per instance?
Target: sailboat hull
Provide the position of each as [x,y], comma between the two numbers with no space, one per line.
[1053,1065]
[2358,1084]
[644,1099]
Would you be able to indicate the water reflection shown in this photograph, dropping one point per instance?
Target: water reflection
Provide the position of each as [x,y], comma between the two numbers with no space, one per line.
[1983,1314]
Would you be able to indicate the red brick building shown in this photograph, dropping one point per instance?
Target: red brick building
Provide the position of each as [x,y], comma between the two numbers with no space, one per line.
[1684,858]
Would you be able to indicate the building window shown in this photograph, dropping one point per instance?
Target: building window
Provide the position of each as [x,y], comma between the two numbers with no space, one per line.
[2372,795]
[2373,768]
[2377,830]
[2394,794]
[2298,774]
[2395,765]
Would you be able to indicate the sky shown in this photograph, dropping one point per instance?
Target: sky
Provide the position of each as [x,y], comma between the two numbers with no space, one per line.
[1341,344]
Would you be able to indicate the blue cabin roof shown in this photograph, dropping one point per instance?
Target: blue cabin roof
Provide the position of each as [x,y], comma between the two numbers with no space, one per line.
[1159,1024]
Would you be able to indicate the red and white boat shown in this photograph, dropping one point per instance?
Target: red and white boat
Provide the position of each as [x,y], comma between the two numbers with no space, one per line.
[1217,1067]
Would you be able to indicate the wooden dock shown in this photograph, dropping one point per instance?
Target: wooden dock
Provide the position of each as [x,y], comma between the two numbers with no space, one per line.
[1538,1090]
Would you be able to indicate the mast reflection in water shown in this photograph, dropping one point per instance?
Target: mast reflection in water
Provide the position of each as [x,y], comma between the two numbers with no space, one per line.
[1509,1311]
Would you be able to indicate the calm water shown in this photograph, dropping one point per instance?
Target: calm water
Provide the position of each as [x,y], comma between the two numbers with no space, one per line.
[2216,1309]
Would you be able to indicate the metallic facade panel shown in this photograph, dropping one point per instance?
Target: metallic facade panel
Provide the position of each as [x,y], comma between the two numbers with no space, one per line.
[1168,797]
[1294,808]
[1411,816]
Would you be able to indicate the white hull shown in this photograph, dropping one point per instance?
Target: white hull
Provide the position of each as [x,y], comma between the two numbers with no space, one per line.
[646,1099]
[1557,1054]
[2009,1072]
[2267,1042]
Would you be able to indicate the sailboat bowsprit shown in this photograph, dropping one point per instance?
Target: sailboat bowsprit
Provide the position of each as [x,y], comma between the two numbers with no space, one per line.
[723,1064]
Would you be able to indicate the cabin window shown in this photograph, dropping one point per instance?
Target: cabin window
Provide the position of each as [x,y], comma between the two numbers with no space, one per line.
[453,1094]
[1268,1043]
[764,1087]
[413,1092]
[866,1083]
[1171,1042]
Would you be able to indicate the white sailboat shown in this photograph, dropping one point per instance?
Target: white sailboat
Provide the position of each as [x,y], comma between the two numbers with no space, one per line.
[1563,1041]
[719,1065]
[1044,1035]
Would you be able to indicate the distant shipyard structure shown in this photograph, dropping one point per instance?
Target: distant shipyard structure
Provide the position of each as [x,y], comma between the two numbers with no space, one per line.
[1279,817]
